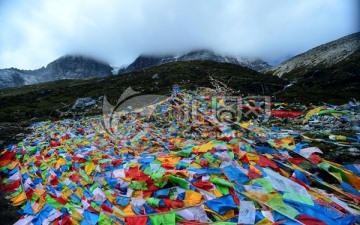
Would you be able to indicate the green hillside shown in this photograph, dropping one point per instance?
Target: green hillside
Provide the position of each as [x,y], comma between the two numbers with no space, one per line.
[42,101]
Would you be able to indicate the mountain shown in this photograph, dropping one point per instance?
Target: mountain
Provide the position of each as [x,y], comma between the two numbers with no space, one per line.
[80,67]
[14,77]
[330,72]
[323,56]
[147,61]
[76,67]
[66,67]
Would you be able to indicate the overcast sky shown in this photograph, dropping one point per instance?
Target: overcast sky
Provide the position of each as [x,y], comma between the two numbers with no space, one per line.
[34,33]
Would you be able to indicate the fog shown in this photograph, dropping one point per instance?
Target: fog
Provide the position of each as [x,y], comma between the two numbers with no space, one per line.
[34,33]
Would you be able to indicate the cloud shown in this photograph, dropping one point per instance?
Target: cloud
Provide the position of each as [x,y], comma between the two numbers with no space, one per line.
[33,33]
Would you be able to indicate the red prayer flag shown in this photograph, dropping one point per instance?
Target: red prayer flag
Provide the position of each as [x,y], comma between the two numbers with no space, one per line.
[11,187]
[140,220]
[309,220]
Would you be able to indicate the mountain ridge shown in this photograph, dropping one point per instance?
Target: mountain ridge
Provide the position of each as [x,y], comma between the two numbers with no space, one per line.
[335,53]
[82,67]
[324,55]
[145,61]
[329,71]
[65,67]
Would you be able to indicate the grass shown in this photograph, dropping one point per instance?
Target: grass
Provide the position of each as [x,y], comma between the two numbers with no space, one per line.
[42,100]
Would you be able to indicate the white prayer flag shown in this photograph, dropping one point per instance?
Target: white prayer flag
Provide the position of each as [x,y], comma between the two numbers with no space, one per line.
[247,212]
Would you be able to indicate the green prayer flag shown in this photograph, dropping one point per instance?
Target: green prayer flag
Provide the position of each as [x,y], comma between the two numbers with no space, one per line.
[52,160]
[278,204]
[217,218]
[232,155]
[179,181]
[43,166]
[158,174]
[17,192]
[32,150]
[103,161]
[233,141]
[221,182]
[223,189]
[138,185]
[4,167]
[184,153]
[26,157]
[93,187]
[86,177]
[265,184]
[44,174]
[324,166]
[70,207]
[53,202]
[163,219]
[153,201]
[104,219]
[298,198]
[95,205]
[34,197]
[209,157]
[161,182]
[147,170]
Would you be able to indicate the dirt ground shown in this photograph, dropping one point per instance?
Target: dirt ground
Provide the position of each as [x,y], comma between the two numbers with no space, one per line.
[8,213]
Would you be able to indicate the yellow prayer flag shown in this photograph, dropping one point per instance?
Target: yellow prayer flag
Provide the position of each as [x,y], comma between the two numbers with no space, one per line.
[39,191]
[245,124]
[89,168]
[79,191]
[192,198]
[169,159]
[76,216]
[312,112]
[60,162]
[66,192]
[217,193]
[206,147]
[228,215]
[17,200]
[128,211]
[284,173]
[264,221]
[337,176]
[252,156]
[13,165]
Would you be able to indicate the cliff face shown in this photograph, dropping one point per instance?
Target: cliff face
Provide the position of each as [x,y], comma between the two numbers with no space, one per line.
[76,67]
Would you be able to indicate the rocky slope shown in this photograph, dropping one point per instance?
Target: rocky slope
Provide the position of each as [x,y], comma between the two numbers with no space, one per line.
[147,61]
[330,72]
[66,67]
[323,56]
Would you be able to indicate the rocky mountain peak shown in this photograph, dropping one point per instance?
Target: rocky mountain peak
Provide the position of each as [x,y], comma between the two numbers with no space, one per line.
[76,67]
[66,67]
